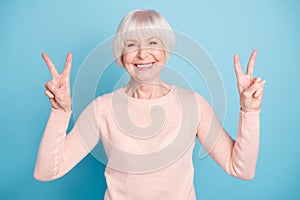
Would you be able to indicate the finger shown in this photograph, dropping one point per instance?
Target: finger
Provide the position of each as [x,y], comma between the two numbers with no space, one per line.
[64,87]
[53,89]
[49,94]
[50,65]
[53,103]
[254,87]
[259,92]
[254,79]
[250,66]
[68,65]
[237,67]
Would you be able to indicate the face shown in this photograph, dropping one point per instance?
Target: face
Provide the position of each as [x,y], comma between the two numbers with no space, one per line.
[143,59]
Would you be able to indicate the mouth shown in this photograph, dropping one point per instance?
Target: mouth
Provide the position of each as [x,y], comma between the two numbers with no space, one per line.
[144,66]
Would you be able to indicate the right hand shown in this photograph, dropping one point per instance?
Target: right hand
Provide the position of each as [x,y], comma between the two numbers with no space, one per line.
[58,89]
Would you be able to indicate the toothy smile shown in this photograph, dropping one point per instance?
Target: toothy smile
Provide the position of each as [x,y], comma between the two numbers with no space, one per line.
[144,65]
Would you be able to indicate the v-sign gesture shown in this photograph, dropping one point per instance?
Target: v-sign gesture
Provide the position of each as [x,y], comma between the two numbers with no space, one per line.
[58,89]
[250,89]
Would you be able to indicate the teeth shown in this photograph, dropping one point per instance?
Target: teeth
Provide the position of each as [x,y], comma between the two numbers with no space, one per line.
[144,65]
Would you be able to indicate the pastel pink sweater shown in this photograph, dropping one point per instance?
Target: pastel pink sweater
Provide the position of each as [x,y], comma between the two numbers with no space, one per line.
[148,143]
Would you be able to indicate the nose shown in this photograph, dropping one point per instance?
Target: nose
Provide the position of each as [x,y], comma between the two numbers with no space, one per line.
[143,53]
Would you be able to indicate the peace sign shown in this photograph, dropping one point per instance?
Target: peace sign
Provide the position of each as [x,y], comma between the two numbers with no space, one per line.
[58,89]
[250,89]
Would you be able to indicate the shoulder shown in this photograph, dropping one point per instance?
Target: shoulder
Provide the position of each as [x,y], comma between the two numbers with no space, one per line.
[191,98]
[190,93]
[182,91]
[194,99]
[105,100]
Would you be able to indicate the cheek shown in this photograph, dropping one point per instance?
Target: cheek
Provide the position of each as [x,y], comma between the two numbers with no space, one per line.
[125,61]
[127,58]
[159,55]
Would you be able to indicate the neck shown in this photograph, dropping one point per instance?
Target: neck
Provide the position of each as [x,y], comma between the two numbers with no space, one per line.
[150,90]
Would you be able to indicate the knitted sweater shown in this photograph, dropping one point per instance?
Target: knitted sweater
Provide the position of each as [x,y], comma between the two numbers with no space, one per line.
[147,143]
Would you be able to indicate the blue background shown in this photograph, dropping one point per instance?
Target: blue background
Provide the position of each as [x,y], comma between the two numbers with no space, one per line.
[222,27]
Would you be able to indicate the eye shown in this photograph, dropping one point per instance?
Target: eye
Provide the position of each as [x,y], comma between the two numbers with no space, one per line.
[152,43]
[131,45]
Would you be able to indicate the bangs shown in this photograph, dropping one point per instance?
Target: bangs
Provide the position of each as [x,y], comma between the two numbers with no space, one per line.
[143,34]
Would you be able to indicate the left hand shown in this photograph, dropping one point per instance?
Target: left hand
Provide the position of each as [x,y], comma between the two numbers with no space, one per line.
[250,89]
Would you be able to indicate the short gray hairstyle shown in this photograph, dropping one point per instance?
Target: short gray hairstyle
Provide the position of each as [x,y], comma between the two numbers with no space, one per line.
[140,23]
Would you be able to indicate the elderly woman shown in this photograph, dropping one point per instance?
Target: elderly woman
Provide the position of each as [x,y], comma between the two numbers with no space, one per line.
[149,144]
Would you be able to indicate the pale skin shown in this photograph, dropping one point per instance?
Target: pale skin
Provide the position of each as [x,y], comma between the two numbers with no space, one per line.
[250,89]
[58,89]
[142,79]
[145,83]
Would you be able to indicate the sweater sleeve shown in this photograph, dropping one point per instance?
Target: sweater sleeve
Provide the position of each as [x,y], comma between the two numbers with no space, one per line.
[238,158]
[59,152]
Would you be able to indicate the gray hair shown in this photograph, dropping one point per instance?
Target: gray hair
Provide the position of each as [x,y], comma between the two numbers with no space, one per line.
[138,24]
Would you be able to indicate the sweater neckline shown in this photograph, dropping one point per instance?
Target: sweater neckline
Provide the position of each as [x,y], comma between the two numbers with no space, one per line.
[166,97]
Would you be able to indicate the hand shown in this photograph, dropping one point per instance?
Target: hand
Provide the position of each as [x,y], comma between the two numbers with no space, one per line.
[58,89]
[250,89]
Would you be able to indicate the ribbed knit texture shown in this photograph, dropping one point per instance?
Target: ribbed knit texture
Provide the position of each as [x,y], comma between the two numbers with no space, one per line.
[148,143]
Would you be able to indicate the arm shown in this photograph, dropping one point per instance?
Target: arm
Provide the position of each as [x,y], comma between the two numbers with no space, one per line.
[58,152]
[238,157]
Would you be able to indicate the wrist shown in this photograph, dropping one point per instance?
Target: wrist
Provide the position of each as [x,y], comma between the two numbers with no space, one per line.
[249,109]
[65,110]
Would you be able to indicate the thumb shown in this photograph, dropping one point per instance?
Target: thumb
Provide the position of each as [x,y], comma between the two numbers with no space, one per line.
[258,84]
[53,89]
